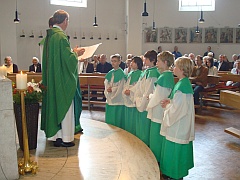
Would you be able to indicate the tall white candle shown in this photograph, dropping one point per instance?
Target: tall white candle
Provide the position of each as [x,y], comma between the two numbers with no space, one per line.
[21,81]
[3,72]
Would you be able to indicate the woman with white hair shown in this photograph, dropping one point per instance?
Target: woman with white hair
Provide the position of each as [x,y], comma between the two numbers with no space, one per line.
[36,66]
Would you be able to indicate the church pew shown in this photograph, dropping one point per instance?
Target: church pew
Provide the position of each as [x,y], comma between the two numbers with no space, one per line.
[31,77]
[231,98]
[208,93]
[92,74]
[90,84]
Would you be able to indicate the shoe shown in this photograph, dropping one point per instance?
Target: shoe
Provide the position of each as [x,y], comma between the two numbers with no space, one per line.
[80,131]
[58,142]
[67,144]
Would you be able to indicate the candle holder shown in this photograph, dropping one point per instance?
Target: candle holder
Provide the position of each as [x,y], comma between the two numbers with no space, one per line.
[25,166]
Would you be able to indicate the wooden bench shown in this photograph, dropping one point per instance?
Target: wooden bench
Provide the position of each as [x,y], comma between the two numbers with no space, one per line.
[31,77]
[90,84]
[212,93]
[233,131]
[231,98]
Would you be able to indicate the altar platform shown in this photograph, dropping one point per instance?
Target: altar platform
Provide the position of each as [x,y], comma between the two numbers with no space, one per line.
[102,152]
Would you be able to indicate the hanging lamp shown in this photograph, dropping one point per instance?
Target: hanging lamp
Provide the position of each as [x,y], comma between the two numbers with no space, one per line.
[95,18]
[16,20]
[154,26]
[201,20]
[145,13]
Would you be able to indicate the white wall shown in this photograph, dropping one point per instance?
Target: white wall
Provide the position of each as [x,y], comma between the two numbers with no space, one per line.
[8,43]
[167,15]
[111,18]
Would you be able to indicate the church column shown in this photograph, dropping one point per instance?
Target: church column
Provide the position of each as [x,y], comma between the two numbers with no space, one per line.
[134,26]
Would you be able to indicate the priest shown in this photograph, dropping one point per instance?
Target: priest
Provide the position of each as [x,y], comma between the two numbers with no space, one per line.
[62,105]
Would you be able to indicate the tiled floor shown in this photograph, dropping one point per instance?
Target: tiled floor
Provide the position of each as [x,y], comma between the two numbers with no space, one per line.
[107,153]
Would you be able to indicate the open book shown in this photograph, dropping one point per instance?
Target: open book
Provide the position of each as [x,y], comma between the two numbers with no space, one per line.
[89,51]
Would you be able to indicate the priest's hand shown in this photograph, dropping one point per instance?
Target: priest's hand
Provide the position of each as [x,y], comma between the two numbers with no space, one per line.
[79,50]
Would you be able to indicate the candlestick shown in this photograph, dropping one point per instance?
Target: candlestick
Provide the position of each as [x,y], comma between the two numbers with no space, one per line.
[21,81]
[26,165]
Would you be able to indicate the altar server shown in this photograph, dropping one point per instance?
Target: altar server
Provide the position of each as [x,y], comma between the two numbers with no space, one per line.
[114,82]
[145,86]
[131,113]
[163,88]
[178,124]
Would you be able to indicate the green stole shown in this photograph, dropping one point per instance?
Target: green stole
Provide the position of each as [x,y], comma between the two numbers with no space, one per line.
[166,80]
[152,72]
[184,85]
[118,75]
[134,75]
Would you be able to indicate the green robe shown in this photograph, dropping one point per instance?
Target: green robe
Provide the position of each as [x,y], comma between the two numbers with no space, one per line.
[60,77]
[165,80]
[131,113]
[115,111]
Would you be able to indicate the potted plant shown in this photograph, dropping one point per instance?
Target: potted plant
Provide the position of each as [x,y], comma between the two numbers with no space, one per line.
[32,97]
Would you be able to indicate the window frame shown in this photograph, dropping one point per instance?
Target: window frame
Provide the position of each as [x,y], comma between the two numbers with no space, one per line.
[196,5]
[73,3]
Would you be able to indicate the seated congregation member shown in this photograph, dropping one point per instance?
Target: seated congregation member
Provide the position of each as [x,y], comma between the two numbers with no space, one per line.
[10,67]
[176,53]
[127,69]
[163,88]
[145,86]
[233,63]
[235,70]
[199,75]
[36,66]
[222,65]
[212,70]
[209,49]
[131,113]
[192,57]
[87,67]
[103,66]
[95,62]
[122,64]
[205,58]
[114,82]
[177,126]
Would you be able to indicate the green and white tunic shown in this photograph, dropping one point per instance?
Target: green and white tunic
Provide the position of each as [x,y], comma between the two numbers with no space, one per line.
[115,104]
[144,88]
[163,88]
[131,113]
[178,129]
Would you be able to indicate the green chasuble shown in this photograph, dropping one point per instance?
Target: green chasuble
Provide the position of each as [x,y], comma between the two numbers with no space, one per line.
[184,85]
[60,77]
[42,42]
